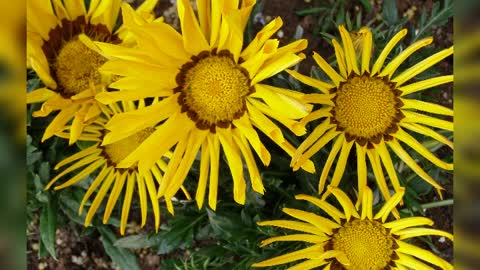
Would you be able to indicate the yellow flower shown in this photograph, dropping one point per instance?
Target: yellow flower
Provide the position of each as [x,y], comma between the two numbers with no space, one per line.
[212,95]
[354,241]
[65,64]
[110,176]
[369,107]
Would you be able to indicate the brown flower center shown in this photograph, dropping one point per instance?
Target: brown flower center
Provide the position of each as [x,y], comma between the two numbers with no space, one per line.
[366,108]
[76,68]
[118,151]
[367,244]
[213,89]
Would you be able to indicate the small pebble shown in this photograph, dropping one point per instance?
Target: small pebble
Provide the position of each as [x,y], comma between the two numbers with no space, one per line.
[441,239]
[42,266]
[35,246]
[280,34]
[77,260]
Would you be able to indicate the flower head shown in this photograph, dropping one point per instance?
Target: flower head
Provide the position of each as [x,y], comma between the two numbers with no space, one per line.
[102,162]
[67,65]
[212,94]
[352,240]
[370,108]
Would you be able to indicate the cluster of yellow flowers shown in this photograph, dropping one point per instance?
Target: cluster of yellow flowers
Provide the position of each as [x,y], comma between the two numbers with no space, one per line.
[153,100]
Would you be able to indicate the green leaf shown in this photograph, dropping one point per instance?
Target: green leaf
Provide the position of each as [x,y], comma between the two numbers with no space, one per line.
[48,224]
[366,4]
[124,258]
[390,12]
[137,241]
[311,11]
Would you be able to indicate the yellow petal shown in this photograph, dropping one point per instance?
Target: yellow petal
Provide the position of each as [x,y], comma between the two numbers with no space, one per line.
[194,41]
[214,150]
[281,104]
[428,132]
[264,124]
[425,84]
[59,122]
[422,150]
[99,197]
[415,232]
[81,175]
[293,225]
[127,203]
[337,145]
[340,56]
[105,173]
[388,48]
[426,107]
[423,254]
[411,262]
[291,257]
[399,59]
[318,114]
[113,196]
[367,204]
[195,140]
[142,194]
[407,222]
[308,238]
[92,150]
[153,198]
[400,152]
[40,95]
[367,50]
[126,124]
[387,162]
[75,8]
[325,206]
[247,130]
[349,50]
[261,37]
[293,125]
[253,64]
[389,205]
[235,163]
[322,86]
[341,163]
[413,117]
[324,139]
[202,179]
[320,222]
[166,136]
[279,64]
[334,76]
[247,154]
[318,132]
[203,8]
[347,205]
[421,66]
[361,177]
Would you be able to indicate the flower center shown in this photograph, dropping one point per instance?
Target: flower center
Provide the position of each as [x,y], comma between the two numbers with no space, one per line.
[366,108]
[213,89]
[367,244]
[76,68]
[118,151]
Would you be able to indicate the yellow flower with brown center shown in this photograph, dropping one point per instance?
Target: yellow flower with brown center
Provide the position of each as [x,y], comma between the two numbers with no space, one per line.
[370,107]
[102,162]
[212,94]
[65,64]
[352,240]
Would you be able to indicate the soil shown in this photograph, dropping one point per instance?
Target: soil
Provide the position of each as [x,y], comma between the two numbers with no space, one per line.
[87,252]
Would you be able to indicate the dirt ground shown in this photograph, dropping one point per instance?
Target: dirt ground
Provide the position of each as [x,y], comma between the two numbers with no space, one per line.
[86,252]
